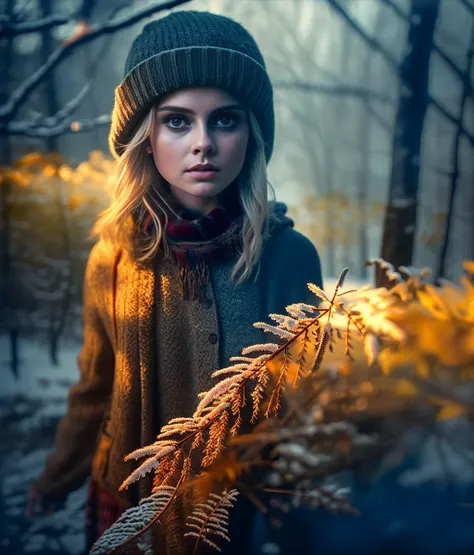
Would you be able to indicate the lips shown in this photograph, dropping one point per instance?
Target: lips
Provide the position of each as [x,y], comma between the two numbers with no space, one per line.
[203,175]
[203,167]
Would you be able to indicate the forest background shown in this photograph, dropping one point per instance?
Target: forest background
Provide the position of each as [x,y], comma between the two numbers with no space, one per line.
[373,154]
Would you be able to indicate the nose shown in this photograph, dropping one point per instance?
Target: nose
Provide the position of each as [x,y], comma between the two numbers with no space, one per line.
[203,141]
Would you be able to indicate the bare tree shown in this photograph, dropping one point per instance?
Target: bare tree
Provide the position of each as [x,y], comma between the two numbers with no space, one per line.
[8,315]
[61,122]
[466,93]
[401,210]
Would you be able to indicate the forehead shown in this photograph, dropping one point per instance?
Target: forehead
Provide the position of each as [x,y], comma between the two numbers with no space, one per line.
[199,98]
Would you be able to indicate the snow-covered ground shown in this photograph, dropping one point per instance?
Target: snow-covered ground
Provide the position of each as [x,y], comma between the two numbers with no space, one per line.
[30,407]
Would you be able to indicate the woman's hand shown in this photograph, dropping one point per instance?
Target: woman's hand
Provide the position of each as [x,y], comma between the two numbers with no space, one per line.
[39,505]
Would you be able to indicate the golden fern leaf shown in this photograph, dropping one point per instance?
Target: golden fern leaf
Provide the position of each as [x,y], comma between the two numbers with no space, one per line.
[216,441]
[212,518]
[175,468]
[257,393]
[236,425]
[275,399]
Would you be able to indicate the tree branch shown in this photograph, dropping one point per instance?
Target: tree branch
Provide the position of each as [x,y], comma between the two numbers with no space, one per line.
[463,76]
[396,66]
[10,108]
[335,90]
[467,4]
[8,29]
[56,128]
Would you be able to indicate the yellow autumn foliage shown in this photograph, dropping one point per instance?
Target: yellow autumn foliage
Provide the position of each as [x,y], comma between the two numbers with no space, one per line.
[415,340]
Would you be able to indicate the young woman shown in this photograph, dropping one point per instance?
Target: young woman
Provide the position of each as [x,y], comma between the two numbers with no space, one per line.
[191,254]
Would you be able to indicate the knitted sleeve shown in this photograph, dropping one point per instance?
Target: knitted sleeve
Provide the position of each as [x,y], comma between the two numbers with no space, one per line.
[69,464]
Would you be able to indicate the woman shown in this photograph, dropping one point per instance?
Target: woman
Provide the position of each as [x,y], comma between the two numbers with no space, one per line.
[191,254]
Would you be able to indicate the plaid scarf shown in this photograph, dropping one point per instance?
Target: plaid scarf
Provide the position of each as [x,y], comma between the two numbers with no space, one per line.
[194,240]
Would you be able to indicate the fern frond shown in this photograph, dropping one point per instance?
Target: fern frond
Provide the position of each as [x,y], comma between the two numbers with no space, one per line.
[172,471]
[257,394]
[301,357]
[273,329]
[134,521]
[211,517]
[150,464]
[317,291]
[268,347]
[221,387]
[236,426]
[242,359]
[323,343]
[340,281]
[154,449]
[216,441]
[285,321]
[275,399]
[236,368]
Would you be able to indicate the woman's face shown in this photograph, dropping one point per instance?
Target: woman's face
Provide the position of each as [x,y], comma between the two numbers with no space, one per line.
[199,126]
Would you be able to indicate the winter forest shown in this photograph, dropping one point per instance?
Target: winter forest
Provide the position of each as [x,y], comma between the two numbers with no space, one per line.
[374,111]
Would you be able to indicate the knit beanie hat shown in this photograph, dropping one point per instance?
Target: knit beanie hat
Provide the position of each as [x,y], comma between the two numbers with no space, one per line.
[186,49]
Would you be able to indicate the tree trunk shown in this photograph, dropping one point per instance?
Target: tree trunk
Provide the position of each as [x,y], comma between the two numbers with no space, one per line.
[457,145]
[58,310]
[8,314]
[401,212]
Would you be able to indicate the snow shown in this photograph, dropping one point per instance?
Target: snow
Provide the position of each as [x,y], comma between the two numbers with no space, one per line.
[30,407]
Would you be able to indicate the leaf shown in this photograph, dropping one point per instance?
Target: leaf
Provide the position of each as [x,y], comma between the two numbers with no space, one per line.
[317,291]
[468,266]
[74,202]
[433,302]
[371,348]
[406,388]
[450,410]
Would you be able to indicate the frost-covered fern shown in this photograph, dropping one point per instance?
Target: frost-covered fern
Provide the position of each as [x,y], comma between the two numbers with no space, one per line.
[308,416]
[134,522]
[258,376]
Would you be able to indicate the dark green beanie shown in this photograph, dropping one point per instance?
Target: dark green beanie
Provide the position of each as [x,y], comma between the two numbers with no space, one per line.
[186,49]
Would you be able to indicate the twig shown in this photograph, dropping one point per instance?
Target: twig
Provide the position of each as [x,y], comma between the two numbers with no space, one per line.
[10,108]
[66,126]
[14,29]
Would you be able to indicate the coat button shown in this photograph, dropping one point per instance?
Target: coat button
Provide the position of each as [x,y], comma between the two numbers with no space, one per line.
[212,338]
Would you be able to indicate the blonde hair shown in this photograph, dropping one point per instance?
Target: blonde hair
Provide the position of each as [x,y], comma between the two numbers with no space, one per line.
[138,192]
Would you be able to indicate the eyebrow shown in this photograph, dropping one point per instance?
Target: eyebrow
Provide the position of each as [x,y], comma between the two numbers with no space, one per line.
[169,108]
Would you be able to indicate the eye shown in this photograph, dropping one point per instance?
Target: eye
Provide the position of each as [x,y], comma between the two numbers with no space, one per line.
[173,122]
[228,120]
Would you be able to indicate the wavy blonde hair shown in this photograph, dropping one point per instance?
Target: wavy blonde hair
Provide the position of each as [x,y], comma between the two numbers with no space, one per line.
[139,191]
